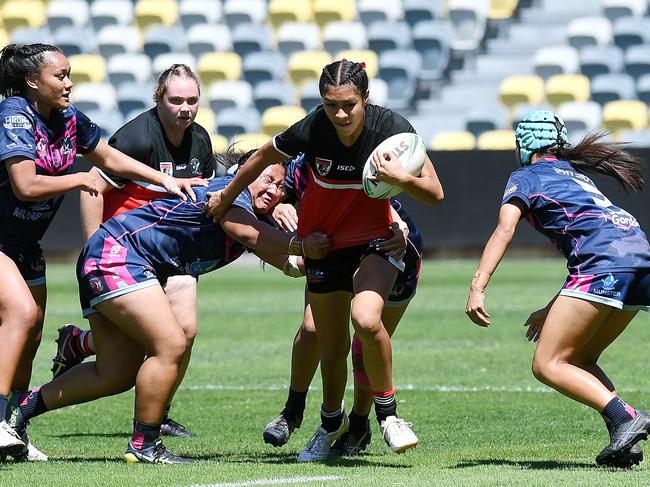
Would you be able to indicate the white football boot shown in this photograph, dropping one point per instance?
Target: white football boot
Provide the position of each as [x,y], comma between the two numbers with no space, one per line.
[398,434]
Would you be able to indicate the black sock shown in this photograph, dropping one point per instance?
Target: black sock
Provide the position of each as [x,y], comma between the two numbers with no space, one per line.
[358,422]
[166,413]
[144,435]
[295,407]
[4,401]
[31,405]
[618,411]
[331,421]
[385,405]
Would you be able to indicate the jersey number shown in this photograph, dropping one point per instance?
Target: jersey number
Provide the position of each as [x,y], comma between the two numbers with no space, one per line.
[598,198]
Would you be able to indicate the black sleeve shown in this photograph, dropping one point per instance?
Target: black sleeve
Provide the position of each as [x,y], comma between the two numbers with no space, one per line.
[133,140]
[208,162]
[295,139]
[393,123]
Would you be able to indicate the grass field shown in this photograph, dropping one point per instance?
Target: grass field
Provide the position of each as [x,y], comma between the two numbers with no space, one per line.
[481,417]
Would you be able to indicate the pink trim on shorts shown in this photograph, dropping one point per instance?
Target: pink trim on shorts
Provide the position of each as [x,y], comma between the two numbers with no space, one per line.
[580,283]
[116,275]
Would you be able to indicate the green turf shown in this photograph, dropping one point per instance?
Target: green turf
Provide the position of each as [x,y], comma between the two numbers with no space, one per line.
[481,416]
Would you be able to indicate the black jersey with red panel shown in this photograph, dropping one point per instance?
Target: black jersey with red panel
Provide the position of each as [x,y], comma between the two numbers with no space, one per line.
[334,202]
[144,139]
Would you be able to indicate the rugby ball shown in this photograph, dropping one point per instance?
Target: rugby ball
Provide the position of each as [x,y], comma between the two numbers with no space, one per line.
[409,149]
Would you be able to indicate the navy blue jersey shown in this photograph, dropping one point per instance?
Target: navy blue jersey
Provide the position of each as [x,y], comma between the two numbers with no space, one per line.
[593,234]
[176,237]
[52,145]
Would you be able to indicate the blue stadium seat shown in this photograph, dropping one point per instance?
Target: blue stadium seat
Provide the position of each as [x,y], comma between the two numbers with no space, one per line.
[580,117]
[310,95]
[159,39]
[643,89]
[341,36]
[228,94]
[67,13]
[629,31]
[298,36]
[248,38]
[110,12]
[233,121]
[595,60]
[589,31]
[399,68]
[128,68]
[637,60]
[134,96]
[27,35]
[273,93]
[635,138]
[75,40]
[370,11]
[237,12]
[616,9]
[553,60]
[203,38]
[431,40]
[263,66]
[378,91]
[385,35]
[163,61]
[420,10]
[193,12]
[486,117]
[469,21]
[610,87]
[94,96]
[108,122]
[118,39]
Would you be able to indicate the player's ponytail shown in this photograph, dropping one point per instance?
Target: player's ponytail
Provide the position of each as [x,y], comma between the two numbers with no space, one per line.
[344,72]
[19,61]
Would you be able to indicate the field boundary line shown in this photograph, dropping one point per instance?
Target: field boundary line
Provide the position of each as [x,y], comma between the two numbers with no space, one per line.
[280,481]
[403,387]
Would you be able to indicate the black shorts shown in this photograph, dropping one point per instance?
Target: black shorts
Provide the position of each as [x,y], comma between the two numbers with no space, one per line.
[30,262]
[407,280]
[335,272]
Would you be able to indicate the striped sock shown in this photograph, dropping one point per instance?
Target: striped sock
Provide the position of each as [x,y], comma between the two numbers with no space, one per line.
[385,404]
[331,421]
[31,405]
[618,411]
[144,435]
[84,343]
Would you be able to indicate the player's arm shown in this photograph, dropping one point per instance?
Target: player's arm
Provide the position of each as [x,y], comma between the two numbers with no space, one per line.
[396,245]
[92,206]
[494,250]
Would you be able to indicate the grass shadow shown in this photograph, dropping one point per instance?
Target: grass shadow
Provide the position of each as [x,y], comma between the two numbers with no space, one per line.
[528,464]
[125,434]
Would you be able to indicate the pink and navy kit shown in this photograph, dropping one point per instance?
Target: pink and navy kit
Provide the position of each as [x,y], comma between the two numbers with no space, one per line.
[145,246]
[52,145]
[608,255]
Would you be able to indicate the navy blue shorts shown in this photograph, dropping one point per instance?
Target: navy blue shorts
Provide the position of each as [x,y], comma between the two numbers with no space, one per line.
[622,290]
[107,268]
[30,263]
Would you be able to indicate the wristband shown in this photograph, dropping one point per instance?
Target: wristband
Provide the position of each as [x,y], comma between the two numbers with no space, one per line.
[480,279]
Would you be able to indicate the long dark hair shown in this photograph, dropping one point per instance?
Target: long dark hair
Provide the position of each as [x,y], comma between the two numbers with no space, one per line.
[593,155]
[18,61]
[343,72]
[233,157]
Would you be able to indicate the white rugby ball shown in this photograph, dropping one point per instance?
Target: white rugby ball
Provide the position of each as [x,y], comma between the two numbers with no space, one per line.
[409,149]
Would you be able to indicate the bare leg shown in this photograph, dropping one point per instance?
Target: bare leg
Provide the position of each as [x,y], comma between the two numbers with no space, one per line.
[24,371]
[304,354]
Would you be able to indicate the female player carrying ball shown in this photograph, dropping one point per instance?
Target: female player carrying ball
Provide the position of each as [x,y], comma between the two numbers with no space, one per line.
[608,258]
[354,281]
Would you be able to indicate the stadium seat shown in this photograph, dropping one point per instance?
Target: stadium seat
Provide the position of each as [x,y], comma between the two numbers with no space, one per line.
[159,39]
[163,61]
[521,89]
[134,96]
[27,35]
[108,122]
[616,9]
[219,146]
[580,118]
[361,56]
[205,118]
[378,91]
[370,11]
[643,89]
[277,119]
[306,65]
[468,20]
[637,60]
[567,87]
[310,95]
[204,38]
[496,140]
[273,93]
[399,68]
[249,141]
[553,60]
[502,9]
[227,94]
[248,38]
[340,36]
[595,60]
[589,31]
[264,66]
[75,40]
[420,10]
[625,114]
[635,138]
[298,36]
[447,141]
[232,121]
[326,11]
[218,66]
[67,13]
[610,87]
[128,68]
[281,11]
[155,12]
[22,13]
[237,12]
[630,31]
[485,117]
[94,96]
[193,12]
[118,39]
[431,40]
[87,68]
[384,35]
[110,12]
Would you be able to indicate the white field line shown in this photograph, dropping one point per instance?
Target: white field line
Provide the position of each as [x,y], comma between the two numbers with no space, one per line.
[285,481]
[404,387]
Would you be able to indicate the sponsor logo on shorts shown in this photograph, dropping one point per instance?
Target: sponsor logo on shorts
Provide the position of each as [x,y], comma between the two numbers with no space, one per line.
[115,249]
[608,287]
[323,166]
[148,273]
[37,265]
[314,276]
[167,168]
[96,286]
[13,122]
[90,266]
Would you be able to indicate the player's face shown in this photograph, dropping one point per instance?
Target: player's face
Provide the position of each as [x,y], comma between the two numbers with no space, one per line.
[267,189]
[178,106]
[53,84]
[345,108]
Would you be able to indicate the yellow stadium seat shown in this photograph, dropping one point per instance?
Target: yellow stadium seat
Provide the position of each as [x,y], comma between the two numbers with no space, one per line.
[326,11]
[361,55]
[502,9]
[567,87]
[521,89]
[625,114]
[206,118]
[219,143]
[219,66]
[453,141]
[281,11]
[246,142]
[23,13]
[4,37]
[276,119]
[87,68]
[307,65]
[155,12]
[496,140]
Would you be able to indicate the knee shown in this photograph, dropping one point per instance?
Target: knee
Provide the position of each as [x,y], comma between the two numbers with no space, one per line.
[176,346]
[544,369]
[367,326]
[116,377]
[331,359]
[190,330]
[26,316]
[307,326]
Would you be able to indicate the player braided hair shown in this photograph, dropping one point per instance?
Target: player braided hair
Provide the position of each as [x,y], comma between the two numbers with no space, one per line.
[178,70]
[344,72]
[593,155]
[18,61]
